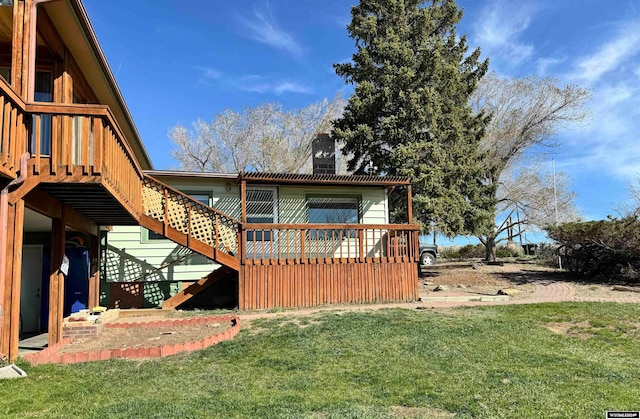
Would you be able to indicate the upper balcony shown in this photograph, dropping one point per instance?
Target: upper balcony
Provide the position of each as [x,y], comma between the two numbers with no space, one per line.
[79,155]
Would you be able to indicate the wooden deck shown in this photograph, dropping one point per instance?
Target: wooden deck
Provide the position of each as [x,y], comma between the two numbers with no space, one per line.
[306,265]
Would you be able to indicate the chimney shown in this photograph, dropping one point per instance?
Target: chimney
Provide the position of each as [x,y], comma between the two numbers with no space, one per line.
[323,149]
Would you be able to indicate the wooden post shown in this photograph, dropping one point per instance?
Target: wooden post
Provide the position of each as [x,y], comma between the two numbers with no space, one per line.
[11,326]
[243,199]
[20,47]
[94,279]
[56,284]
[409,205]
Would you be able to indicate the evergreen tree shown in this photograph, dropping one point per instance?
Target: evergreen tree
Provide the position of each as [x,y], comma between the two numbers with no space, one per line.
[410,113]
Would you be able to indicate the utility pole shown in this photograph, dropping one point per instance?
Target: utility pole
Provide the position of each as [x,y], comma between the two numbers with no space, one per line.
[555,202]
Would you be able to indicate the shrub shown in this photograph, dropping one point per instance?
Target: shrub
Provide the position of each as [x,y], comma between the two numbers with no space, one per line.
[471,251]
[599,247]
[508,252]
[450,252]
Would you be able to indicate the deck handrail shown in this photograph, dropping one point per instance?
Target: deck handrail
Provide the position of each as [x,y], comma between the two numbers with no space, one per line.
[177,192]
[311,226]
[13,130]
[304,243]
[181,212]
[8,91]
[91,110]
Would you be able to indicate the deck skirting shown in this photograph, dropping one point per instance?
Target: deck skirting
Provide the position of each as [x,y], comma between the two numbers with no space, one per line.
[316,284]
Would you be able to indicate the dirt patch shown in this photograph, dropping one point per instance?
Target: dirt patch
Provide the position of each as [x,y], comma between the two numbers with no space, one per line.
[485,279]
[603,291]
[145,337]
[577,330]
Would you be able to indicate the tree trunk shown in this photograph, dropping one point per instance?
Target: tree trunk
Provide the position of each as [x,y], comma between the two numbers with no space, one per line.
[490,249]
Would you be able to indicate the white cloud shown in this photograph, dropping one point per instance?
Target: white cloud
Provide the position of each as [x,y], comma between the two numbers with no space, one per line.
[544,64]
[277,87]
[263,28]
[497,29]
[210,73]
[610,144]
[610,55]
[253,83]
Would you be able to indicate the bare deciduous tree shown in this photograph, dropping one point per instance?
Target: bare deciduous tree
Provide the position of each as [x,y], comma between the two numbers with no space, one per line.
[526,201]
[631,206]
[526,116]
[265,138]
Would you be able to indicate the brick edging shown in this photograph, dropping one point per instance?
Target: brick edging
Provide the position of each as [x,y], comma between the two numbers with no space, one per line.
[50,355]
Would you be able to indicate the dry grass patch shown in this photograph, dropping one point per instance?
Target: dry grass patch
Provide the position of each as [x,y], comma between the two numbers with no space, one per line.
[576,330]
[405,412]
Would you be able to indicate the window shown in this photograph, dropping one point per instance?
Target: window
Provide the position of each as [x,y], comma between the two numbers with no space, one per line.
[5,73]
[198,196]
[333,210]
[262,207]
[43,93]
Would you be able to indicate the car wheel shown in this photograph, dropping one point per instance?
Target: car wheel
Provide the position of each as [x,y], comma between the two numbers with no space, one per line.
[427,259]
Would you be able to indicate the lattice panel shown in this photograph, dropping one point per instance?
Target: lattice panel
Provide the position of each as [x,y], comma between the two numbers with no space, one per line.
[178,213]
[190,217]
[202,227]
[227,238]
[153,200]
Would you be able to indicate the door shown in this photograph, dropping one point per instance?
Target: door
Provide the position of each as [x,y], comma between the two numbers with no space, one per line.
[31,288]
[76,284]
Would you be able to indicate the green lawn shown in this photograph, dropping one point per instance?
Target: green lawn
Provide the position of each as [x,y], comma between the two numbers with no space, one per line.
[476,362]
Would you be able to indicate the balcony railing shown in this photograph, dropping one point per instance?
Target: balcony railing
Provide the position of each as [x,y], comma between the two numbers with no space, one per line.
[328,243]
[73,141]
[13,130]
[85,141]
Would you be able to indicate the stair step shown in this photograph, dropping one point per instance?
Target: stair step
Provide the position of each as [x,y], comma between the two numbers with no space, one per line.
[195,288]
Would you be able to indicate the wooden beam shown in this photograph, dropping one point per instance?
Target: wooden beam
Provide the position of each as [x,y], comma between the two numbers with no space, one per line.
[243,199]
[94,279]
[45,204]
[56,281]
[19,50]
[11,318]
[16,226]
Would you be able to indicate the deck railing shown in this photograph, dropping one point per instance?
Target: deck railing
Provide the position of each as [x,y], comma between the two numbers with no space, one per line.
[81,140]
[328,243]
[13,130]
[85,140]
[198,221]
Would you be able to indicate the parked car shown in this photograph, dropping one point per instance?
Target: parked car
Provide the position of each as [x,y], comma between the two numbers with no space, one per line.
[428,254]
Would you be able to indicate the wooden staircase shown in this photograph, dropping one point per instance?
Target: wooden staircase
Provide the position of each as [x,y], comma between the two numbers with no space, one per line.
[190,223]
[196,288]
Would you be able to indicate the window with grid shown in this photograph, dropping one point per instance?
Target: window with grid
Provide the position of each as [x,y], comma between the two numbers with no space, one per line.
[332,210]
[261,208]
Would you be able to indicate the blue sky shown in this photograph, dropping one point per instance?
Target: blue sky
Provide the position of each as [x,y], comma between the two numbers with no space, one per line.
[177,61]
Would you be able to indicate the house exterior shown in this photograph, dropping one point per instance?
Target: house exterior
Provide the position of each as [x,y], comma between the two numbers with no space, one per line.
[304,213]
[76,178]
